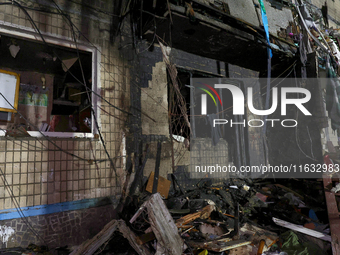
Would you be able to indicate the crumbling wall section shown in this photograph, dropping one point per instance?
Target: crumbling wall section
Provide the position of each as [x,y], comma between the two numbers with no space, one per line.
[154,105]
[333,10]
[278,18]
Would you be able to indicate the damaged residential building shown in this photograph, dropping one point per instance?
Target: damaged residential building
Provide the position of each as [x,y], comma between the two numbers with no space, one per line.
[104,146]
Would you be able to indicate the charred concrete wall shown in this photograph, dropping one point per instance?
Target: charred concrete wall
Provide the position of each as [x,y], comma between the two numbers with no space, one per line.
[132,77]
[150,95]
[279,16]
[333,8]
[152,125]
[40,173]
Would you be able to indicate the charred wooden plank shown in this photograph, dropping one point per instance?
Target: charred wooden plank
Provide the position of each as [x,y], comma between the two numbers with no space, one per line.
[219,245]
[91,245]
[130,235]
[163,225]
[203,214]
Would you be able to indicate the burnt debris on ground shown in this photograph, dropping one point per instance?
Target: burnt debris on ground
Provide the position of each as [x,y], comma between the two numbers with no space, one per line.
[238,216]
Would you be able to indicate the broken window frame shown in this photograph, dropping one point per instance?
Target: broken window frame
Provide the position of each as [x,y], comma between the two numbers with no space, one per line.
[241,156]
[30,34]
[192,71]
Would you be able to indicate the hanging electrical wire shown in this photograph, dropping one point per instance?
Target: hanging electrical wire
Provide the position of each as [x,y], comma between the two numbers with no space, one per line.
[87,88]
[96,122]
[88,95]
[296,130]
[109,73]
[43,39]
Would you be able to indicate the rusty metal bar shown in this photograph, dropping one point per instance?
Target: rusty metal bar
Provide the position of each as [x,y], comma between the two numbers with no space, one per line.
[332,208]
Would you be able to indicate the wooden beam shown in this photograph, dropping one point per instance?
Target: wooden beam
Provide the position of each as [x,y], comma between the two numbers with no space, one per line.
[219,245]
[302,229]
[130,235]
[203,213]
[163,225]
[91,245]
[134,217]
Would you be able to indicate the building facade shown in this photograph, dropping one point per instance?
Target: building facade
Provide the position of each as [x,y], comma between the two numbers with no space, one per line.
[113,75]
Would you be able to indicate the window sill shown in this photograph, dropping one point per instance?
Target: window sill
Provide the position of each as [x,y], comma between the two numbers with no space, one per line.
[61,134]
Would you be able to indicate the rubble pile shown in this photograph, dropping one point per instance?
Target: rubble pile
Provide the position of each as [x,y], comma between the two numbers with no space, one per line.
[239,216]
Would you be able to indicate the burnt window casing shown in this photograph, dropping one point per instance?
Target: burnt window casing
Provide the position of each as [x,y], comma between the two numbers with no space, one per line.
[55,86]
